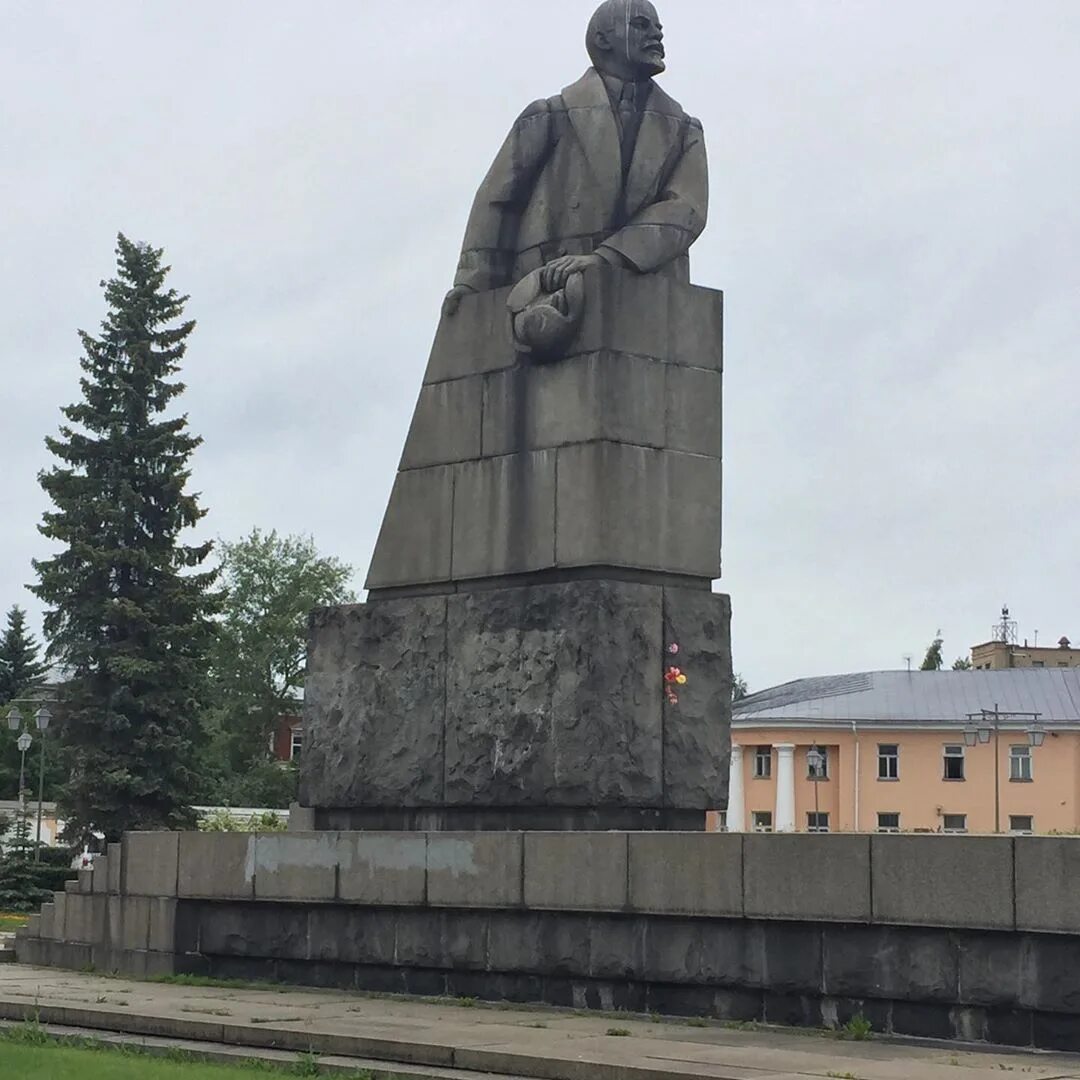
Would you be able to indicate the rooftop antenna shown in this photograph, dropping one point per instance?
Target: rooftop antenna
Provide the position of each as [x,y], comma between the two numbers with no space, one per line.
[907,660]
[1005,630]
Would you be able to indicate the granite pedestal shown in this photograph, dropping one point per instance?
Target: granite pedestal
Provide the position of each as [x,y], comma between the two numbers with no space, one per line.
[535,707]
[554,529]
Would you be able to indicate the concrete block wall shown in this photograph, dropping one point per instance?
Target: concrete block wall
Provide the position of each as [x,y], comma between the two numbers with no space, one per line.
[970,882]
[965,937]
[601,442]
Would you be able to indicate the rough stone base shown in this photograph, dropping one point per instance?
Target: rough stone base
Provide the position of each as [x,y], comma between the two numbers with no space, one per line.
[512,819]
[539,706]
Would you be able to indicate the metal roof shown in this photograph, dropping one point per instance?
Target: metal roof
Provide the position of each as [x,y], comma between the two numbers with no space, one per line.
[918,696]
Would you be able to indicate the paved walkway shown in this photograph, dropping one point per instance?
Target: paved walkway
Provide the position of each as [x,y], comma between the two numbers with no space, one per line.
[454,1041]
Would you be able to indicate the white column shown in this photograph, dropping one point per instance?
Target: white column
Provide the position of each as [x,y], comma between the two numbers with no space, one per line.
[784,820]
[736,800]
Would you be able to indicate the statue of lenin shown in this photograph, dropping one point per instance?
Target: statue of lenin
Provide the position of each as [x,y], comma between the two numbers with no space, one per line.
[611,171]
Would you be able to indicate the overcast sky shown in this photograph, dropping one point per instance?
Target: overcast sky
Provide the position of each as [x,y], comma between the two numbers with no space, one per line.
[895,223]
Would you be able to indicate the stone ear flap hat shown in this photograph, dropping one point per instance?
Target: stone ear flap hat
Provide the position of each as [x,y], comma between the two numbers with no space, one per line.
[545,323]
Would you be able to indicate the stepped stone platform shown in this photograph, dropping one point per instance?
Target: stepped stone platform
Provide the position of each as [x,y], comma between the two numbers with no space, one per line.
[974,939]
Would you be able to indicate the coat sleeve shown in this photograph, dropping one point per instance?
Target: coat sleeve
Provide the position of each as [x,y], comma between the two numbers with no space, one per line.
[490,245]
[664,229]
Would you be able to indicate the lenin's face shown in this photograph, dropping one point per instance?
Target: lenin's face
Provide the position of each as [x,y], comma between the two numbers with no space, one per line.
[639,38]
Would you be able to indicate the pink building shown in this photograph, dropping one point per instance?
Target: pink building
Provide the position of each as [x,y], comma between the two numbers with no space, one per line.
[920,751]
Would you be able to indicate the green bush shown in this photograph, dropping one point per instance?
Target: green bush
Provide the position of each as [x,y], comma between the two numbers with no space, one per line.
[222,820]
[24,884]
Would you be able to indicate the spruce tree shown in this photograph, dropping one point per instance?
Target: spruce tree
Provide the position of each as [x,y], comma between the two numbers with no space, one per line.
[933,660]
[130,609]
[20,667]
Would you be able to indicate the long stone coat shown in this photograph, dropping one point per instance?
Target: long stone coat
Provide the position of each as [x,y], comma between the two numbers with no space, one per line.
[556,188]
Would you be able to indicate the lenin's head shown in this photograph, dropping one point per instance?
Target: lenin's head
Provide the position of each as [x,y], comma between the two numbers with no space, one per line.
[625,38]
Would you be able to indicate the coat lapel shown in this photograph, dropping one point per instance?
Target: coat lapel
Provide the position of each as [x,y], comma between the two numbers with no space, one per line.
[655,144]
[589,110]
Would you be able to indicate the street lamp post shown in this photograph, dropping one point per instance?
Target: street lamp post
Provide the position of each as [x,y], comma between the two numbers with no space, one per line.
[986,723]
[816,759]
[24,742]
[42,719]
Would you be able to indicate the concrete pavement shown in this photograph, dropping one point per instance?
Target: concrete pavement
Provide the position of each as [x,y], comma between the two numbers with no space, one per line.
[447,1040]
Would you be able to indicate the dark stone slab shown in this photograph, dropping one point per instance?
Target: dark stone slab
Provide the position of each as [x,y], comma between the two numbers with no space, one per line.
[994,969]
[559,991]
[1054,1031]
[697,327]
[709,951]
[189,964]
[547,943]
[1050,972]
[605,395]
[535,707]
[1009,1027]
[890,962]
[738,1005]
[792,1010]
[553,696]
[784,957]
[415,541]
[617,947]
[352,934]
[444,428]
[373,719]
[263,930]
[929,1021]
[380,980]
[511,819]
[697,731]
[968,1023]
[475,340]
[188,917]
[876,1011]
[424,983]
[639,507]
[320,973]
[439,939]
[504,515]
[693,410]
[243,968]
[669,1000]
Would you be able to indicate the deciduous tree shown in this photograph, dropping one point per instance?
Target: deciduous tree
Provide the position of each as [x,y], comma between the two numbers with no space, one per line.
[272,584]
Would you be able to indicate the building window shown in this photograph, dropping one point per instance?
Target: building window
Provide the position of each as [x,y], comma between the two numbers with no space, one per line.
[888,761]
[888,823]
[763,763]
[954,823]
[762,820]
[1020,763]
[817,763]
[817,822]
[296,743]
[1038,663]
[1021,824]
[954,763]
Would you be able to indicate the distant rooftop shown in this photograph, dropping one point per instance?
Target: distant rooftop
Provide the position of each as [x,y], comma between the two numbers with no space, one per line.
[918,696]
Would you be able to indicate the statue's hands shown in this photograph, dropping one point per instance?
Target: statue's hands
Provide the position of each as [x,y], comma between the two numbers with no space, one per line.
[453,300]
[555,275]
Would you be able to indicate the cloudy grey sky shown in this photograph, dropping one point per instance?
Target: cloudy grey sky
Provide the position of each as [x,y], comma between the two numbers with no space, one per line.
[894,221]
